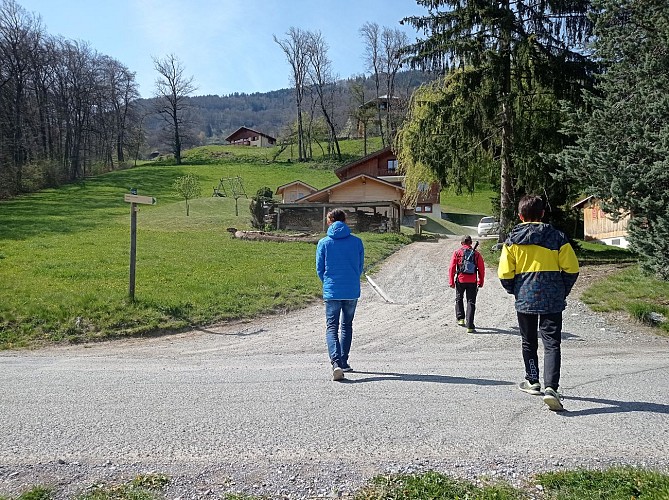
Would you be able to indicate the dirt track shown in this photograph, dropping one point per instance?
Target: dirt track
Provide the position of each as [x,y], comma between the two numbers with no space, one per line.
[251,407]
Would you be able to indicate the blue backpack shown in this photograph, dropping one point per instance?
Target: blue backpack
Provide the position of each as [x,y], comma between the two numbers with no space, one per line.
[468,263]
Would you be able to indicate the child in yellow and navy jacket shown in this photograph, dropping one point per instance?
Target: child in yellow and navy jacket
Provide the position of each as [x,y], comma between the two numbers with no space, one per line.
[539,267]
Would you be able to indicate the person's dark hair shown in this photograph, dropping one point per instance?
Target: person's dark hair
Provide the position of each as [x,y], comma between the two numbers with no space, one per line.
[337,215]
[531,207]
[466,240]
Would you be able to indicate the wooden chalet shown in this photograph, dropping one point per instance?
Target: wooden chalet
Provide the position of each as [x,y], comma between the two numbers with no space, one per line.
[245,136]
[373,205]
[598,225]
[383,165]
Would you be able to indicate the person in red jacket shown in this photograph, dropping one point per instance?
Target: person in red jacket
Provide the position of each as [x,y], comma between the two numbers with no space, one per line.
[466,274]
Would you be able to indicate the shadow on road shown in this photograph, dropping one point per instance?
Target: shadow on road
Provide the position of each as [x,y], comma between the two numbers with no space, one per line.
[614,406]
[516,332]
[414,377]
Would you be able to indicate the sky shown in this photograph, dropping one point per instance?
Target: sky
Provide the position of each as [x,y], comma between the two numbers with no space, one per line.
[225,45]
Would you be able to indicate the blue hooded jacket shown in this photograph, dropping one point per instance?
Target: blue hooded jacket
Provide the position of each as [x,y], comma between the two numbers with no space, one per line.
[340,259]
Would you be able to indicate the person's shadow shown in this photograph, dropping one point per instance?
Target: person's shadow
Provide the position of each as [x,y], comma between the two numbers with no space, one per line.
[415,377]
[613,406]
[516,332]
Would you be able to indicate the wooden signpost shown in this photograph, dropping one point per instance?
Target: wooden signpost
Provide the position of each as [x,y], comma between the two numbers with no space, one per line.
[135,199]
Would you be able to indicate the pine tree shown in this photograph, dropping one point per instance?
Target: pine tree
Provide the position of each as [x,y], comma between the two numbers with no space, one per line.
[622,151]
[516,59]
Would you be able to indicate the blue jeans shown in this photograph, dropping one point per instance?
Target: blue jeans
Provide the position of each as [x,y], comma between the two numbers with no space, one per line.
[338,347]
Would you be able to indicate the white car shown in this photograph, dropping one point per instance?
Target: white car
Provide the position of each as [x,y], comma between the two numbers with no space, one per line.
[488,226]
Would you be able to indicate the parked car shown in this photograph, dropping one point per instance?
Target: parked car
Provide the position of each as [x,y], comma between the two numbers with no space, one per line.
[488,226]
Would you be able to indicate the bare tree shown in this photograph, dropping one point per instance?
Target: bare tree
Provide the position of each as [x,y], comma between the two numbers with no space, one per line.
[361,113]
[323,82]
[295,47]
[172,89]
[393,44]
[384,56]
[20,35]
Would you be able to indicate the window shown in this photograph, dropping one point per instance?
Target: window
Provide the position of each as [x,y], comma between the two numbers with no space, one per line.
[423,187]
[427,208]
[419,208]
[392,165]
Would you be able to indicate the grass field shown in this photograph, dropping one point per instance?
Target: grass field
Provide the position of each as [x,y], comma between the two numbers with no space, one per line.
[64,256]
[64,253]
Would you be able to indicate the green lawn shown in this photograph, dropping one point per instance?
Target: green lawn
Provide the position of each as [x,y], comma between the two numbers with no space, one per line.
[64,253]
[64,256]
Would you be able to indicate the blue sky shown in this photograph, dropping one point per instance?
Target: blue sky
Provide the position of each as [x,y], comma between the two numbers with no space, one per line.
[226,45]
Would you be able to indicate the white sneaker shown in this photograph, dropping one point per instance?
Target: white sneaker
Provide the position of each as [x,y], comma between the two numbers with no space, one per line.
[552,399]
[337,373]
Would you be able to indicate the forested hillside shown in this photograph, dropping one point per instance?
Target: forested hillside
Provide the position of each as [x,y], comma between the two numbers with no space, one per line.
[211,118]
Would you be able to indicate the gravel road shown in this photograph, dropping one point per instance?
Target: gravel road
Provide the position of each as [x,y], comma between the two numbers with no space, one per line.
[250,407]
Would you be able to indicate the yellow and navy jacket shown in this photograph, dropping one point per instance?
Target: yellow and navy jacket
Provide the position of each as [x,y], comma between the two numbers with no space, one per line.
[539,267]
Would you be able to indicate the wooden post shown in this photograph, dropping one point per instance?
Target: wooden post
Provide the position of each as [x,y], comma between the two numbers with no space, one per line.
[133,249]
[134,199]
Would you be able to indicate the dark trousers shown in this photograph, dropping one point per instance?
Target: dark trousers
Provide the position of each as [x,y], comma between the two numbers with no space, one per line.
[470,290]
[550,327]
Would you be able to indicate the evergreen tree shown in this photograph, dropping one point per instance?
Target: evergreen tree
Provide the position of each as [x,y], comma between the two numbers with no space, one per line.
[622,150]
[515,58]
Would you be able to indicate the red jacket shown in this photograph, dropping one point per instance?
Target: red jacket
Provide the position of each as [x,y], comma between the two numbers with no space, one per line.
[456,260]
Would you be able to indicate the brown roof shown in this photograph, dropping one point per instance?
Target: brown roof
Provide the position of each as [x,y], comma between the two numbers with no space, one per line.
[240,129]
[341,184]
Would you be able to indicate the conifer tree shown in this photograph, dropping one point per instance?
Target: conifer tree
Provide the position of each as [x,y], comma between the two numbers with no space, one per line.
[515,59]
[622,150]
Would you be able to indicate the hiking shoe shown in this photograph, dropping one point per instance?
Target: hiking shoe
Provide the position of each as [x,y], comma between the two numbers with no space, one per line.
[337,373]
[471,330]
[346,368]
[533,388]
[552,399]
[461,322]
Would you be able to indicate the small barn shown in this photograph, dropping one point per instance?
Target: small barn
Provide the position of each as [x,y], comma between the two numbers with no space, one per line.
[599,226]
[245,136]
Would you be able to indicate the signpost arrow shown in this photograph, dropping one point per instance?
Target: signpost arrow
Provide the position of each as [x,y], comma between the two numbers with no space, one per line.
[143,200]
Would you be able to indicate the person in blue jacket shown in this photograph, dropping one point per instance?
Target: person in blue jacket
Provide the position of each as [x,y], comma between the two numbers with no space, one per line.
[339,263]
[539,267]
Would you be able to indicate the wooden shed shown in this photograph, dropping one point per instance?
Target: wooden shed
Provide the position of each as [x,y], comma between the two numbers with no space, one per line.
[599,226]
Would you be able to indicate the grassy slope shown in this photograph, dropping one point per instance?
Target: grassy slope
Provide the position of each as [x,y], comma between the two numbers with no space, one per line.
[64,253]
[64,256]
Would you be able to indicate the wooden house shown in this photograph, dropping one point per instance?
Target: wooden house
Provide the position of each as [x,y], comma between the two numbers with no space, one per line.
[599,226]
[245,136]
[372,204]
[294,191]
[361,188]
[383,165]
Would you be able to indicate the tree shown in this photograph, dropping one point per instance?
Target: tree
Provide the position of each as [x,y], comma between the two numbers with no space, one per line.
[187,187]
[295,48]
[621,154]
[322,81]
[262,204]
[509,53]
[384,56]
[172,90]
[20,36]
